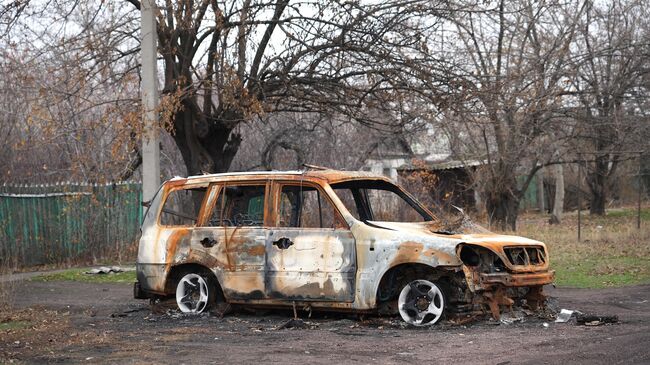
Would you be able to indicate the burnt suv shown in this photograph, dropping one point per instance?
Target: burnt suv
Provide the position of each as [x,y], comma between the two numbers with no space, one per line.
[326,239]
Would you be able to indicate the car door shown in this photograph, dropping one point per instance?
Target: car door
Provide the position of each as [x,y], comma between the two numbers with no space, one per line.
[234,236]
[310,251]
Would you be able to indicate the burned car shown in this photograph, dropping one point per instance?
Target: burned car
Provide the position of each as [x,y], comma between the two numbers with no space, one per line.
[329,240]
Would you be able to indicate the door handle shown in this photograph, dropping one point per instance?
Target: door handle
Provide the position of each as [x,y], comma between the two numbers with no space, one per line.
[208,242]
[283,243]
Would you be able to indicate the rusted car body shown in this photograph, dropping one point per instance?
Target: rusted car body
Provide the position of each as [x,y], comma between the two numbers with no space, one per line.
[248,240]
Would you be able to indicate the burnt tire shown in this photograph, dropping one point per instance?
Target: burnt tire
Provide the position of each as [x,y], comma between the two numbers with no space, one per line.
[196,292]
[421,303]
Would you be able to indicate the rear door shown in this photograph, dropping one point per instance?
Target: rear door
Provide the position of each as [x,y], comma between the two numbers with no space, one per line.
[234,236]
[310,251]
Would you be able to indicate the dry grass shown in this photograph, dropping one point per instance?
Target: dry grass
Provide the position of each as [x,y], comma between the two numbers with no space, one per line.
[6,295]
[612,252]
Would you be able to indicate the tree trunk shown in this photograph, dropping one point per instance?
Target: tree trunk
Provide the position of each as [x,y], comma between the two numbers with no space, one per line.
[541,199]
[558,202]
[598,184]
[502,208]
[205,147]
[598,199]
[478,202]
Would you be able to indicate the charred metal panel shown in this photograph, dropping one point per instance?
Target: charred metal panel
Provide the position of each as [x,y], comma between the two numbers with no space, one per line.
[313,264]
[156,254]
[237,255]
[379,250]
[151,277]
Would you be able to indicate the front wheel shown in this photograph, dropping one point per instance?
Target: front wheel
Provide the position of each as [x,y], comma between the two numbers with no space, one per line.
[194,294]
[421,303]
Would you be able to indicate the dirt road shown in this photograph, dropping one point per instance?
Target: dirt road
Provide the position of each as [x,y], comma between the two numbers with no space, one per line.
[68,322]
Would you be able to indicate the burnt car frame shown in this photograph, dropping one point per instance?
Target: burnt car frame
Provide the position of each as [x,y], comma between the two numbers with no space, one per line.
[330,240]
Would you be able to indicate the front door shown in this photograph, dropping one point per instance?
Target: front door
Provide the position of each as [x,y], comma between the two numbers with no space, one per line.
[310,251]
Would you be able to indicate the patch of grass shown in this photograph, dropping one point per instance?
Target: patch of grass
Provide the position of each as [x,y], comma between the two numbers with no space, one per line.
[612,252]
[602,272]
[14,325]
[79,275]
[631,213]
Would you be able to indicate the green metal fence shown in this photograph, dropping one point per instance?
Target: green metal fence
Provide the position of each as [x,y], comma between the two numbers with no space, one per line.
[44,224]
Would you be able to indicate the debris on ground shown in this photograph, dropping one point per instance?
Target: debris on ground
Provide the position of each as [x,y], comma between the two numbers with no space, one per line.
[564,316]
[462,320]
[293,323]
[512,317]
[128,312]
[595,320]
[108,270]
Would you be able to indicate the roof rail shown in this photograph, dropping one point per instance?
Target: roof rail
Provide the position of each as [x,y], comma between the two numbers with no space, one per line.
[315,167]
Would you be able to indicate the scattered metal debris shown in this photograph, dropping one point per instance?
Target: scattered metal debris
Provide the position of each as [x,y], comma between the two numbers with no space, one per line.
[564,316]
[595,320]
[512,317]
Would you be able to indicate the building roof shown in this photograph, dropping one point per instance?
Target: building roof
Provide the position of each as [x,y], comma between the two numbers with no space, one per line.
[443,165]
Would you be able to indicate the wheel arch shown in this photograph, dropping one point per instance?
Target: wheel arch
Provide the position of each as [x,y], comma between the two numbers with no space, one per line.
[392,277]
[176,272]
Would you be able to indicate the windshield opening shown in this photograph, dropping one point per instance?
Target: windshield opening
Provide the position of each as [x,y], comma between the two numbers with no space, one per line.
[378,200]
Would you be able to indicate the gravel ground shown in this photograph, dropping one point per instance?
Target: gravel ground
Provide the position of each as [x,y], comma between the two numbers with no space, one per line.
[71,322]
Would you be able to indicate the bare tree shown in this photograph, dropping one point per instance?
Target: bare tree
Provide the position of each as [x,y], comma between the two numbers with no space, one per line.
[227,62]
[610,62]
[507,94]
[76,117]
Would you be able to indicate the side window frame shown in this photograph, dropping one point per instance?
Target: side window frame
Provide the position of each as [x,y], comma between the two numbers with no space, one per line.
[221,187]
[200,214]
[277,197]
[214,190]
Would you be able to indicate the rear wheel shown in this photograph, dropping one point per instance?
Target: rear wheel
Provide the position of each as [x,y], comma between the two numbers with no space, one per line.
[421,303]
[195,293]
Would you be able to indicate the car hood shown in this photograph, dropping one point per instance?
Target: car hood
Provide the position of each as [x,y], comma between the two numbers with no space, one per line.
[482,238]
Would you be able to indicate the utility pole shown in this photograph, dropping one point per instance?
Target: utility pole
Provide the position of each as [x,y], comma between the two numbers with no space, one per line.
[150,139]
[579,196]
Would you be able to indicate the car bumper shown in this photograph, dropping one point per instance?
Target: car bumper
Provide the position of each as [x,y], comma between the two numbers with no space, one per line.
[151,278]
[525,279]
[138,293]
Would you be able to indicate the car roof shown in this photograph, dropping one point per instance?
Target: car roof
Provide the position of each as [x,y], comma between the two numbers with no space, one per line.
[329,175]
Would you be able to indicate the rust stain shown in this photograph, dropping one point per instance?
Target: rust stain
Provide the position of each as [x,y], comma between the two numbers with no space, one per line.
[495,299]
[204,258]
[407,252]
[177,237]
[177,182]
[233,245]
[239,285]
[256,250]
[443,257]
